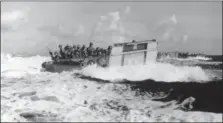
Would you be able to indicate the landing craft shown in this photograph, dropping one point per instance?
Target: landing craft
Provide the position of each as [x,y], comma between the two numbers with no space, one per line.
[130,53]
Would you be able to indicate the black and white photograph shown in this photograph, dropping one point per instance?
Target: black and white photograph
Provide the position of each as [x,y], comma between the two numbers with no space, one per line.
[111,61]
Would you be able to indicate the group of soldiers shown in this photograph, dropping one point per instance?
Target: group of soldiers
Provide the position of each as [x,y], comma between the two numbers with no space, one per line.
[78,52]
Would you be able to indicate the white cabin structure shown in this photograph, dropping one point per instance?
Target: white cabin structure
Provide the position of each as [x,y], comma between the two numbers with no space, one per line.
[133,53]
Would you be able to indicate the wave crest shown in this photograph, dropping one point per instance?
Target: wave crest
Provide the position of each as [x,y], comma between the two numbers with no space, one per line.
[14,66]
[155,71]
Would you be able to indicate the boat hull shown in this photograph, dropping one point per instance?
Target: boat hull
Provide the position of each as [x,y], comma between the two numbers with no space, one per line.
[53,67]
[68,66]
[129,53]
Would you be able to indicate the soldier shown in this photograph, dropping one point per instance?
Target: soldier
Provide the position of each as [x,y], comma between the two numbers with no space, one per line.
[100,52]
[109,50]
[65,51]
[95,53]
[56,56]
[69,52]
[97,49]
[66,47]
[74,52]
[104,52]
[74,46]
[108,53]
[62,54]
[83,52]
[90,49]
[51,54]
[78,51]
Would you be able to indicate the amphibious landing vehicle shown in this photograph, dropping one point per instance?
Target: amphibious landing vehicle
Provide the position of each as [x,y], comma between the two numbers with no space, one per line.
[128,53]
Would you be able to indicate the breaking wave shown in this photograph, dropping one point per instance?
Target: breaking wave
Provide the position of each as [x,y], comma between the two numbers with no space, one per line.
[17,66]
[156,71]
[190,58]
[13,65]
[200,58]
[144,93]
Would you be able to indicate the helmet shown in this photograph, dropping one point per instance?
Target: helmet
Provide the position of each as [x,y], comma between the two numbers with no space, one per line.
[83,46]
[55,53]
[91,43]
[66,47]
[110,47]
[60,45]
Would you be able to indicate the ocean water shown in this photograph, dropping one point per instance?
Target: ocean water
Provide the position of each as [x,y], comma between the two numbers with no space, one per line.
[129,93]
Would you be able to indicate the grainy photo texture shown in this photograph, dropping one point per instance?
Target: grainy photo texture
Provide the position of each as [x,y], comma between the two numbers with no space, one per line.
[111,61]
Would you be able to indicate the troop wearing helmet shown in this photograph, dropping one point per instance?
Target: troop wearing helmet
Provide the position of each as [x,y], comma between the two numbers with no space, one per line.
[77,52]
[90,49]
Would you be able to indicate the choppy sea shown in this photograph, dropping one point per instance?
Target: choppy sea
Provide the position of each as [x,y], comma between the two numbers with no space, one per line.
[172,89]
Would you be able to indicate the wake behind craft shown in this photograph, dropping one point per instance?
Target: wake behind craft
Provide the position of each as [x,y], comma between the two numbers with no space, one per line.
[118,54]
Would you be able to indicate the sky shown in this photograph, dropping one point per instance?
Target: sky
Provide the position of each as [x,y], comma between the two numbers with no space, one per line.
[30,27]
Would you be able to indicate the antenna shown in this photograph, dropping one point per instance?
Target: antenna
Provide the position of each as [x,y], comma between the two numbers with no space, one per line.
[74,40]
[93,30]
[48,49]
[56,41]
